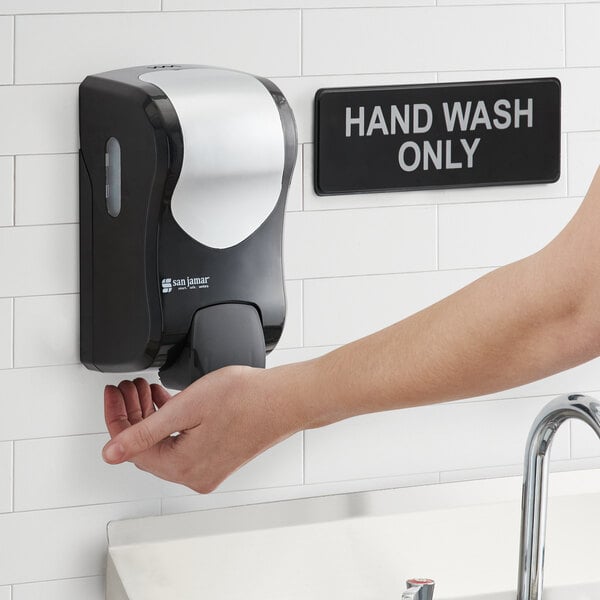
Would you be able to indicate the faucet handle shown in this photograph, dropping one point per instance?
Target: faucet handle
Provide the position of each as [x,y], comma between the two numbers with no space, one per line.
[419,589]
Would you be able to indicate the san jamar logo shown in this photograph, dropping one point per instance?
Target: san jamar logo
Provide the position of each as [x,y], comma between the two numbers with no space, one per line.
[170,284]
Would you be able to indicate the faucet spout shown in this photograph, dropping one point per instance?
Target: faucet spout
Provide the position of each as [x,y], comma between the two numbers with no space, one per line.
[535,485]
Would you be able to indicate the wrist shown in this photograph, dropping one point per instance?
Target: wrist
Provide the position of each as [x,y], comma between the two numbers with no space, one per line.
[301,394]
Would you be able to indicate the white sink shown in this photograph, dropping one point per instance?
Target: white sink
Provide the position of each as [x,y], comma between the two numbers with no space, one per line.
[361,546]
[585,591]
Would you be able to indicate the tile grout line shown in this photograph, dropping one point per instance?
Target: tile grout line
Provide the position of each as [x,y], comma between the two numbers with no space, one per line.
[302,319]
[349,7]
[565,33]
[301,174]
[387,274]
[14,48]
[302,325]
[394,273]
[74,578]
[46,295]
[41,154]
[12,478]
[437,237]
[70,435]
[301,42]
[465,402]
[421,72]
[67,223]
[567,164]
[303,457]
[12,333]
[570,439]
[14,191]
[302,313]
[145,500]
[375,207]
[302,144]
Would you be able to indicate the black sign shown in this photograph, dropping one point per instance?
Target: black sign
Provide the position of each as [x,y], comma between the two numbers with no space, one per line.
[375,139]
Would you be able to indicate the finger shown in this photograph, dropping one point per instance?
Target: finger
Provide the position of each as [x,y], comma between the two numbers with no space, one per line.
[159,395]
[145,434]
[145,396]
[132,401]
[115,413]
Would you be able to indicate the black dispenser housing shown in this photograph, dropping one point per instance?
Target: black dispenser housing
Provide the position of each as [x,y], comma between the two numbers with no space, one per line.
[184,173]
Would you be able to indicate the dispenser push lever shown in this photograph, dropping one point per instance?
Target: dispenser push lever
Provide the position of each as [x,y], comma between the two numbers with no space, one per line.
[220,335]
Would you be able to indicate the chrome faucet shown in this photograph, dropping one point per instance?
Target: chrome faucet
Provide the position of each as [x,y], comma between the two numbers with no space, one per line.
[419,589]
[535,485]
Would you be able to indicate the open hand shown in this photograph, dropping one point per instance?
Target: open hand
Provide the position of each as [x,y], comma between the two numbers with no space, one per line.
[221,421]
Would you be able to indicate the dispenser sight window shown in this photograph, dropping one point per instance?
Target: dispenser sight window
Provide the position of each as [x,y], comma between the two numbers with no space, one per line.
[113,176]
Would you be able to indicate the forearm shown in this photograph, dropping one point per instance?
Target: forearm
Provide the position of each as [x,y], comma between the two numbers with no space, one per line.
[524,321]
[517,324]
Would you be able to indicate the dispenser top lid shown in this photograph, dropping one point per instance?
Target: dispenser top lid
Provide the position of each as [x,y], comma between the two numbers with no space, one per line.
[233,152]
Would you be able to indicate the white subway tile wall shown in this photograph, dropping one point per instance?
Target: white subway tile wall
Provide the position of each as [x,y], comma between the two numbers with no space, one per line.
[583,445]
[6,50]
[61,543]
[6,476]
[237,4]
[354,263]
[282,356]
[389,240]
[39,260]
[264,41]
[294,199]
[418,440]
[48,473]
[584,147]
[583,49]
[179,504]
[292,328]
[66,589]
[43,119]
[490,234]
[23,7]
[340,309]
[432,39]
[53,401]
[6,191]
[52,321]
[47,189]
[6,333]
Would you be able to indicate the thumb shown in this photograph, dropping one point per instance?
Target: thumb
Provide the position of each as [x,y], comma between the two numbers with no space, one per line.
[147,433]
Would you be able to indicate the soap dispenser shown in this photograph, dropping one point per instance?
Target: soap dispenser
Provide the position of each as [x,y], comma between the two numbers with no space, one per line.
[184,174]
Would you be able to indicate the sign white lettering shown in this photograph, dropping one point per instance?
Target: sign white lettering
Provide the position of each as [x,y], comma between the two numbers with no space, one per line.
[418,118]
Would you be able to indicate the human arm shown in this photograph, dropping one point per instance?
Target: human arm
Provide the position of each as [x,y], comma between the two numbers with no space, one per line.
[524,321]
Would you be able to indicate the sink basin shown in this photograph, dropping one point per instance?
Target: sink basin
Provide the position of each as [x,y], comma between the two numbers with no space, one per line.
[361,546]
[585,591]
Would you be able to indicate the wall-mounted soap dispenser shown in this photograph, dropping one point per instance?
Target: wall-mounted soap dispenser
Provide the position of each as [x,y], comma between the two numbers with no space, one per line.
[184,173]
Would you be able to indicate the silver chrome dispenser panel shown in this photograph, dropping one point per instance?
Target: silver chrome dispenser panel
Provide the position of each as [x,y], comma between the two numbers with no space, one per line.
[232,170]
